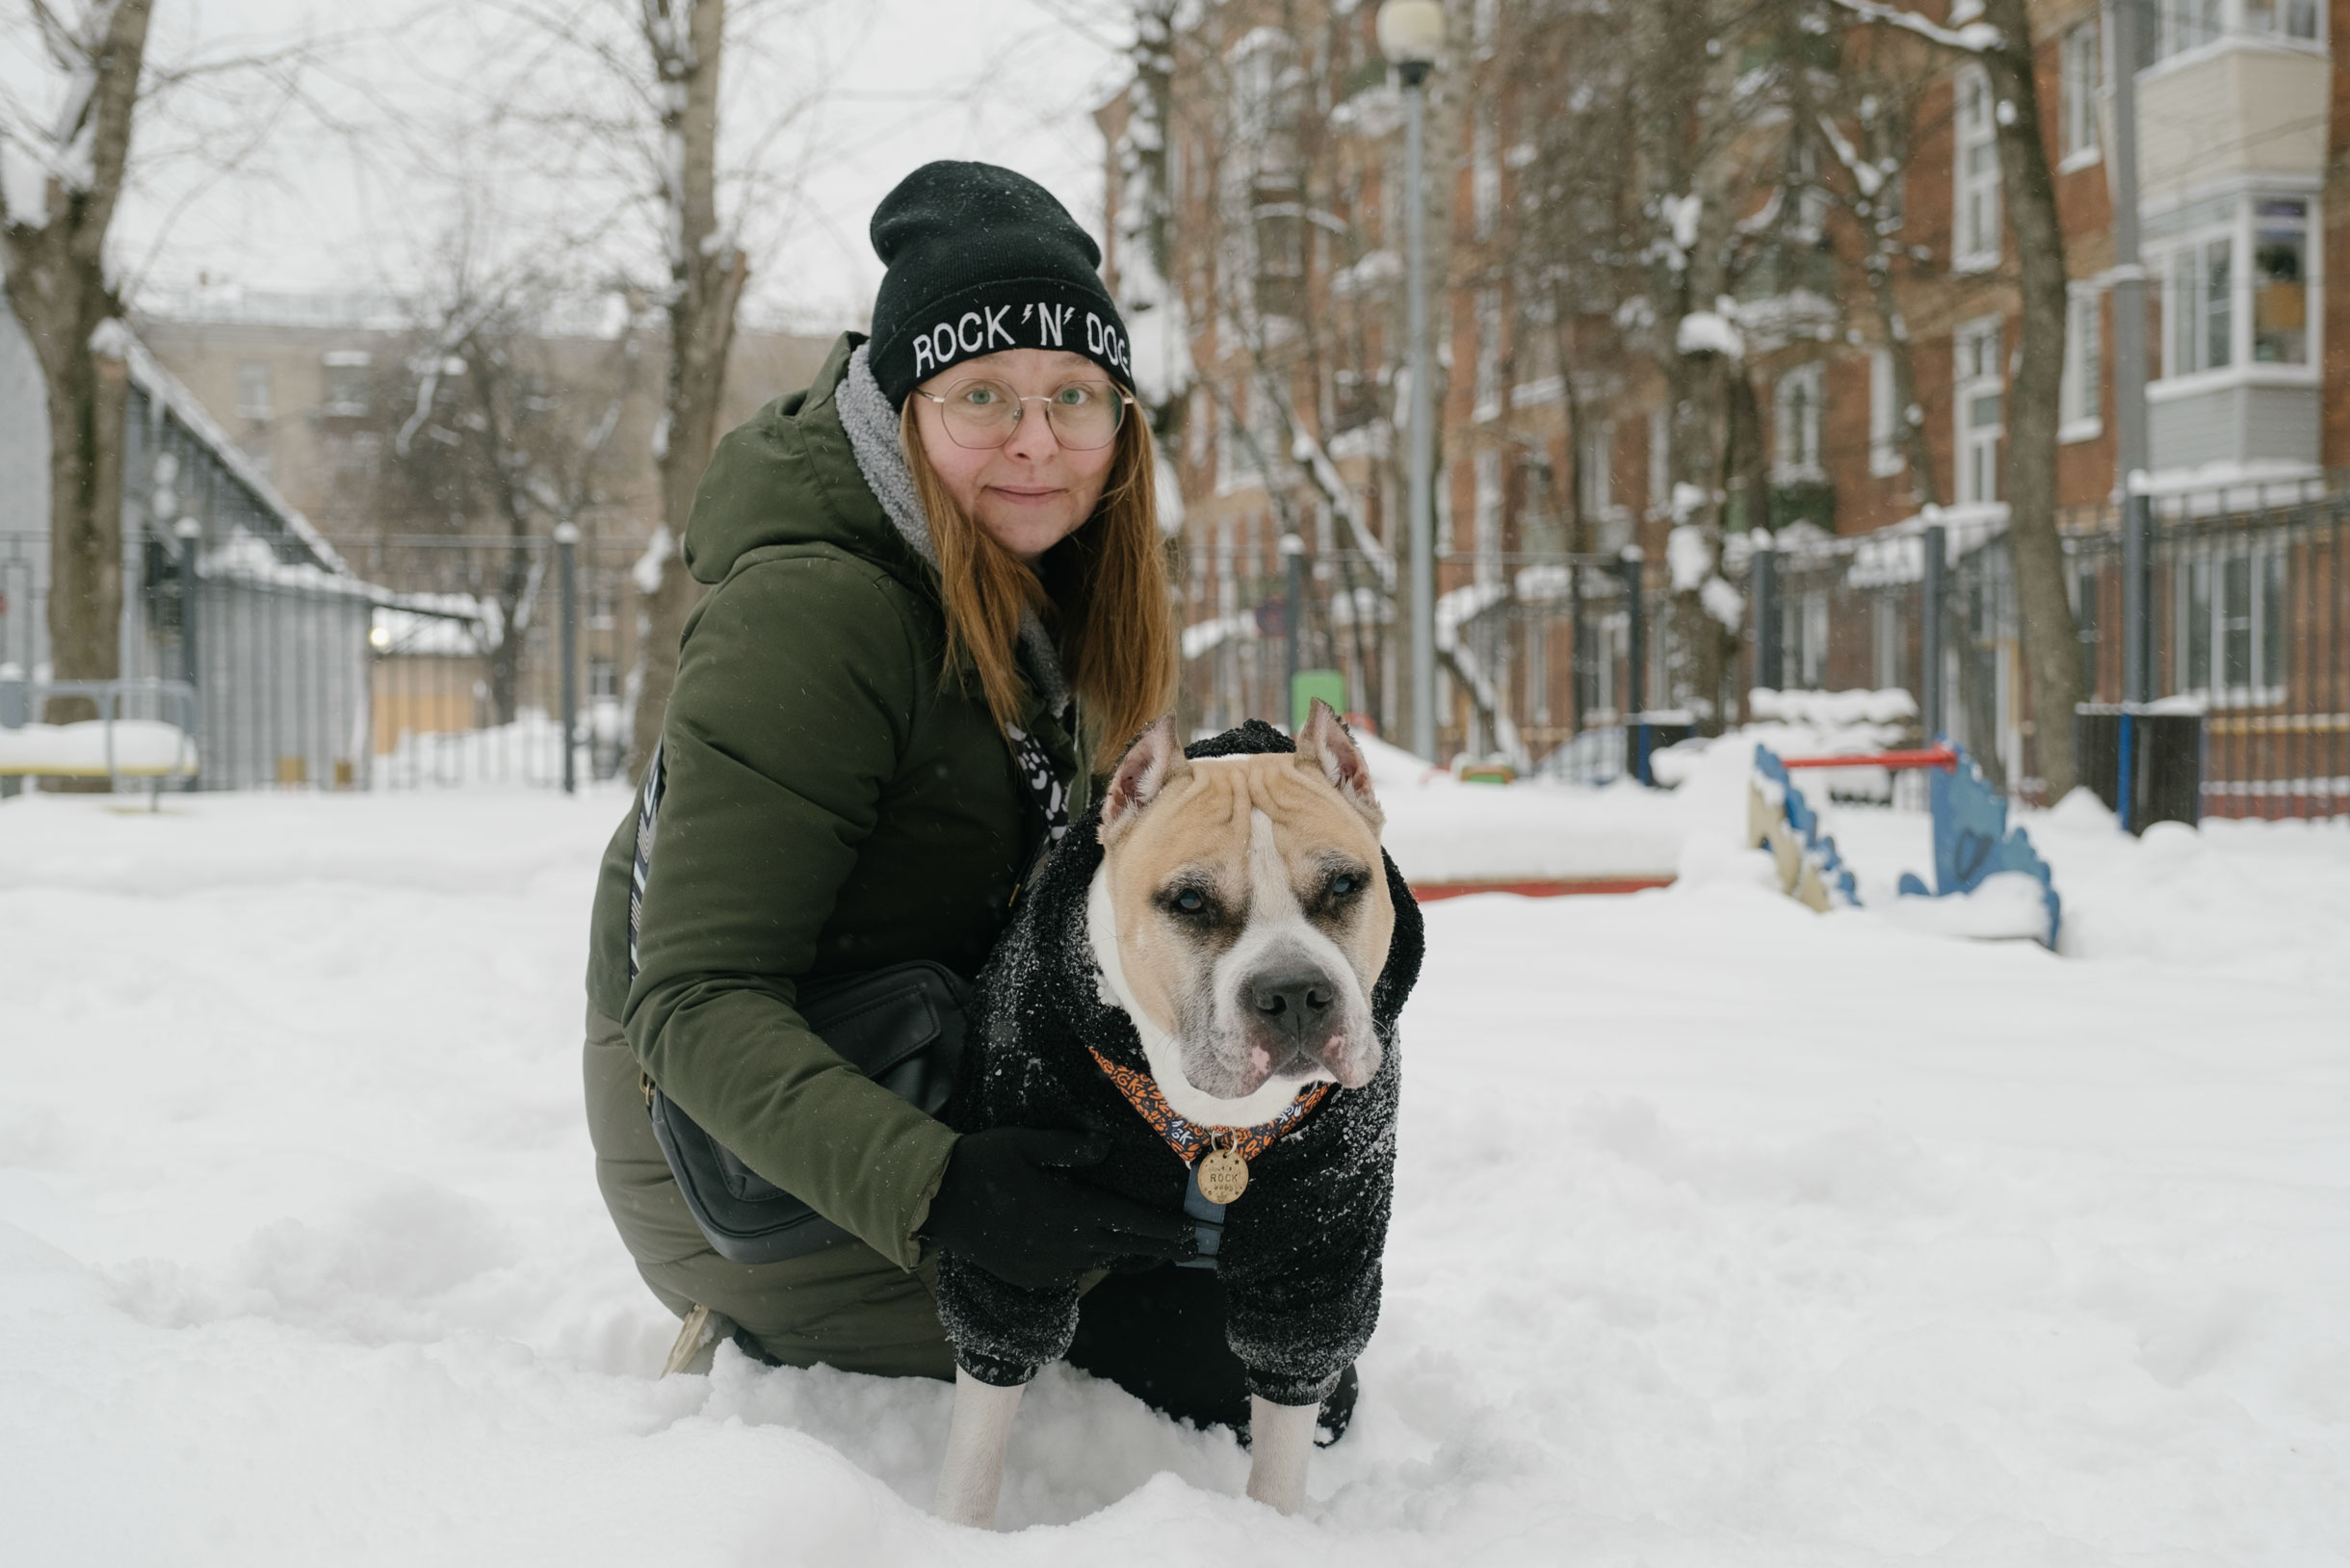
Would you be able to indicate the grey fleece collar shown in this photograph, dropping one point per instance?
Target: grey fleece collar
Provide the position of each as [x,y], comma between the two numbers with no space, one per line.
[871,426]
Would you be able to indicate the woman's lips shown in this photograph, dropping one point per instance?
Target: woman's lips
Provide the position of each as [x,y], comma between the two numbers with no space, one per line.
[1026,495]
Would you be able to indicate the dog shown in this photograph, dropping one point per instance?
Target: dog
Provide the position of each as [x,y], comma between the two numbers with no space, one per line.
[1207,971]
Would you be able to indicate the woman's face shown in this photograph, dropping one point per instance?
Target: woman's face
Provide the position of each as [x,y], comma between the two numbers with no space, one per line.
[1031,492]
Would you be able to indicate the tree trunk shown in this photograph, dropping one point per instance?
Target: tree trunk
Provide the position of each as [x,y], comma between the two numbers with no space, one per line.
[706,277]
[506,659]
[2051,646]
[56,283]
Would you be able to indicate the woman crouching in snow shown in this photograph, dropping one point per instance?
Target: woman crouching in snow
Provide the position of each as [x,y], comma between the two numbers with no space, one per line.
[937,610]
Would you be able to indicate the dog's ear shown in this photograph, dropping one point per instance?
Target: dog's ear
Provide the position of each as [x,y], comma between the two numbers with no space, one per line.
[1150,764]
[1324,747]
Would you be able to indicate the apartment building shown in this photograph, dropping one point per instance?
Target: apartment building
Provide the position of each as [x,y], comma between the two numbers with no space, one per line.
[1269,141]
[309,384]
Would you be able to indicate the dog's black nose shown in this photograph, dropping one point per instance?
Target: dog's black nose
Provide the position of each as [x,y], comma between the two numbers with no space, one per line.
[1293,1001]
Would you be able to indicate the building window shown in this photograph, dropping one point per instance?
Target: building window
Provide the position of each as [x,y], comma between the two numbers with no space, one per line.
[1488,353]
[354,458]
[2081,396]
[2230,633]
[603,679]
[2199,326]
[1795,402]
[1241,452]
[1975,177]
[1980,388]
[253,390]
[1803,640]
[347,381]
[2238,276]
[1595,469]
[2181,25]
[1488,517]
[2173,27]
[1659,462]
[1885,457]
[1888,638]
[2280,282]
[2083,53]
[1484,172]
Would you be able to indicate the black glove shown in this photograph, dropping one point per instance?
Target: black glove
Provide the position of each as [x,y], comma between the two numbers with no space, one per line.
[1005,1206]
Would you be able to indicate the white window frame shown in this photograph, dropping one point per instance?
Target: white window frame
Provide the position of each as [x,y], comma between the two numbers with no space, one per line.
[1885,447]
[1977,240]
[1659,462]
[1487,518]
[1803,640]
[2180,260]
[1484,170]
[345,390]
[1979,370]
[1594,470]
[254,393]
[1488,318]
[2204,626]
[1885,641]
[2182,30]
[1798,402]
[2081,396]
[2080,77]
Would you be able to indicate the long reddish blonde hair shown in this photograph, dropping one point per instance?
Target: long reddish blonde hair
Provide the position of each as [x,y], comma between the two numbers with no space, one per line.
[1102,592]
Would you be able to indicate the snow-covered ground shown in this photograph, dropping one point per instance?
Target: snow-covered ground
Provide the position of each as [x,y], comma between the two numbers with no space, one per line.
[1726,1233]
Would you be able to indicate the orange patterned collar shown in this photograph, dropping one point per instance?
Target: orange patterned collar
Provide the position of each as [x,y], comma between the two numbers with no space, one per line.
[1188,1139]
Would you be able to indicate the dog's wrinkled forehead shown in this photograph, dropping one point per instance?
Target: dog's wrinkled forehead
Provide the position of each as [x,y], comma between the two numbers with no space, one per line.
[1209,819]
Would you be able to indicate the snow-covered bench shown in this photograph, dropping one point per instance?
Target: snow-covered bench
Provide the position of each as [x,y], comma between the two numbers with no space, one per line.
[108,746]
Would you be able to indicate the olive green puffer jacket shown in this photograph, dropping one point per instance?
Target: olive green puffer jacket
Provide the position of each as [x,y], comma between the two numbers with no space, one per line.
[831,805]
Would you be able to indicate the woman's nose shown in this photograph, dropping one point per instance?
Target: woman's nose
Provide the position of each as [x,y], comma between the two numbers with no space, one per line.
[1032,438]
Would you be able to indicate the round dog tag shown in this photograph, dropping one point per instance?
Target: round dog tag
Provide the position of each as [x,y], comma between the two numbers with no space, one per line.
[1223,1175]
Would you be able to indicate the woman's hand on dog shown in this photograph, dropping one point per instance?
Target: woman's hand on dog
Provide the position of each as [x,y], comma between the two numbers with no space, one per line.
[1008,1205]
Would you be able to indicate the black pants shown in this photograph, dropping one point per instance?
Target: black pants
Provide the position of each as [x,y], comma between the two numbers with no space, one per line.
[1160,1336]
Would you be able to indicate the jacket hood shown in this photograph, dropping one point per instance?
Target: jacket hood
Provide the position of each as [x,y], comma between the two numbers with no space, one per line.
[788,476]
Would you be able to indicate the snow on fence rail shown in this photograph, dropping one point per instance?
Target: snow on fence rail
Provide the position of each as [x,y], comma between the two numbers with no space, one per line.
[2251,614]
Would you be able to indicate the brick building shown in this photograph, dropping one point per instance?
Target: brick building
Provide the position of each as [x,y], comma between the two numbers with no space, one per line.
[1252,165]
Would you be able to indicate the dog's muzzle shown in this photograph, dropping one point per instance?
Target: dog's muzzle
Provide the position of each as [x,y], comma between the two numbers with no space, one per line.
[1294,1025]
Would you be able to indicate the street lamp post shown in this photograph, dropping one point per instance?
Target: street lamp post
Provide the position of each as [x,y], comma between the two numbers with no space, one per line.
[1412,36]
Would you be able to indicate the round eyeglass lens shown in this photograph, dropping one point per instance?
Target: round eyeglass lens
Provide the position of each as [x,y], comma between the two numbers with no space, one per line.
[1084,415]
[981,413]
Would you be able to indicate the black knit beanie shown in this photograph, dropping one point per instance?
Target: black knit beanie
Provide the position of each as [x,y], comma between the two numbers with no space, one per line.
[982,259]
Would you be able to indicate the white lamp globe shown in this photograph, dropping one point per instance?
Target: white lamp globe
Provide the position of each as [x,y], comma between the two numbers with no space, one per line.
[1412,32]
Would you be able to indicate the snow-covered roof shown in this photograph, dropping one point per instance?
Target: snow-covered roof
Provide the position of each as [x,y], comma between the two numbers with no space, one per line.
[116,339]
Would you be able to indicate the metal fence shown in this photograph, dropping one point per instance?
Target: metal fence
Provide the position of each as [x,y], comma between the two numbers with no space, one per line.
[435,660]
[1556,663]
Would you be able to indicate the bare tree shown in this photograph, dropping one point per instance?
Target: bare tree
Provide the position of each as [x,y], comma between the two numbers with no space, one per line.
[1868,118]
[1696,127]
[54,249]
[2003,46]
[685,39]
[1262,247]
[498,437]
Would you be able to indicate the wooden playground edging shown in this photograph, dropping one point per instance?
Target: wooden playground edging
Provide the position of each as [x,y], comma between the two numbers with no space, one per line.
[1430,892]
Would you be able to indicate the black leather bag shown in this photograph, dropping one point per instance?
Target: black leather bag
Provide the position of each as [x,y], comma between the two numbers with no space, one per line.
[902,1027]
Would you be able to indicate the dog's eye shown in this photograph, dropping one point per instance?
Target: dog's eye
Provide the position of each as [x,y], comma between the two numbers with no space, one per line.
[1344,883]
[1190,902]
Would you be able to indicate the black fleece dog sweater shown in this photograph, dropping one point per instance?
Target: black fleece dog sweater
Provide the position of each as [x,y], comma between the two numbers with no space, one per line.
[1301,1246]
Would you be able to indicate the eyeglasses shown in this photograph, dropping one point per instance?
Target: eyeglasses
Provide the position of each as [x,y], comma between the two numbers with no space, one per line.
[981,413]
